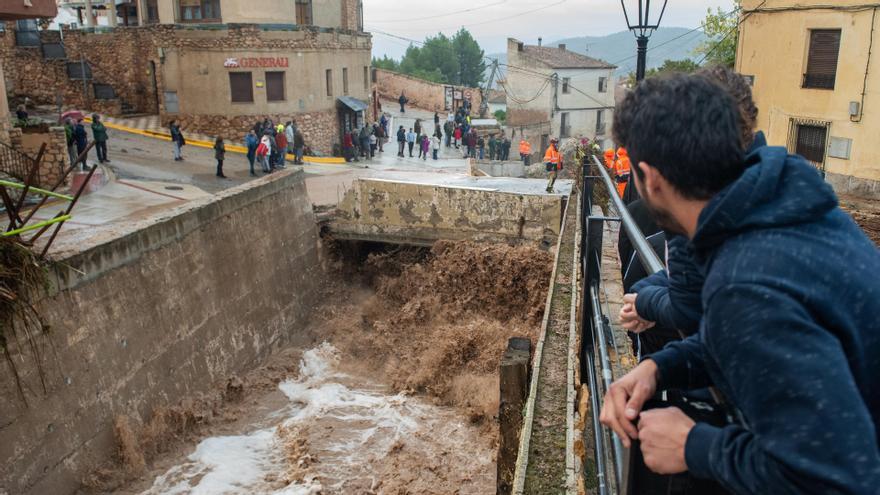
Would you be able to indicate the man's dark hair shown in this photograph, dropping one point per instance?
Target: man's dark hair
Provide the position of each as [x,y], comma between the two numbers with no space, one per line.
[687,128]
[738,87]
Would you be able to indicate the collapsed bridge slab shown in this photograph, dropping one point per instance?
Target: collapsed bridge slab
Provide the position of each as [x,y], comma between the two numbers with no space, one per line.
[408,211]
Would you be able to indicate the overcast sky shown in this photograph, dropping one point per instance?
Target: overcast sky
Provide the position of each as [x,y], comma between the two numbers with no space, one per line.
[493,21]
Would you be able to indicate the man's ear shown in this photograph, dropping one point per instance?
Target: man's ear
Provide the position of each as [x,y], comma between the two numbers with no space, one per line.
[651,178]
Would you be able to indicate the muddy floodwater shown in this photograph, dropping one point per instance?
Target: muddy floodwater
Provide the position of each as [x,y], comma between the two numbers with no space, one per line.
[338,433]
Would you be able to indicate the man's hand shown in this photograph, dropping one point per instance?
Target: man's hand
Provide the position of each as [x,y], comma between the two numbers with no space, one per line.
[625,399]
[629,317]
[663,434]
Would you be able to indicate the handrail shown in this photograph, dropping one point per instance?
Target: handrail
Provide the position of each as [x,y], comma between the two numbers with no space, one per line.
[649,258]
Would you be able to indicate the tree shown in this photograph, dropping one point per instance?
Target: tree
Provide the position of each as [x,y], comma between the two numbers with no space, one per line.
[500,116]
[685,66]
[471,61]
[386,63]
[721,31]
[456,60]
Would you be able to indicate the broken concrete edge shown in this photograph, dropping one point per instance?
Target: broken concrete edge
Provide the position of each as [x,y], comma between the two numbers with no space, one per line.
[74,268]
[573,464]
[522,458]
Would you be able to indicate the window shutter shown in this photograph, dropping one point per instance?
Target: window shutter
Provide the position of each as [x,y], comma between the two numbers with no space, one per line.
[274,86]
[822,59]
[241,87]
[811,142]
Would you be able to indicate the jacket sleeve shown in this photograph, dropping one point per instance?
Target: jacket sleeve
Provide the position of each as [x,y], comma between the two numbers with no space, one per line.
[655,279]
[681,365]
[808,430]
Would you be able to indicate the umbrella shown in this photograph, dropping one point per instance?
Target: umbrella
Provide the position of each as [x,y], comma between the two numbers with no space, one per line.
[72,114]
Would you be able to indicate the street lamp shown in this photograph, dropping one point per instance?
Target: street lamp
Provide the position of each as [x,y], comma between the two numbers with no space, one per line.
[643,28]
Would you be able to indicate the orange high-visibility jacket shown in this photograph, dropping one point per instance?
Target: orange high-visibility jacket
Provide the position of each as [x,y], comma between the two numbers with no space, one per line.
[622,165]
[609,158]
[525,148]
[552,156]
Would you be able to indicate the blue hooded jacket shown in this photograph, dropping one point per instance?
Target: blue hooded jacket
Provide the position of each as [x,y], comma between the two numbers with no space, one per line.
[672,297]
[790,336]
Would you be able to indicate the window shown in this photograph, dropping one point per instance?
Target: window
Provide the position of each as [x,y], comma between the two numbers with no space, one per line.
[565,83]
[600,122]
[366,78]
[360,18]
[79,70]
[199,10]
[603,85]
[345,80]
[26,33]
[822,59]
[328,76]
[563,126]
[304,12]
[103,91]
[810,142]
[152,12]
[241,87]
[274,86]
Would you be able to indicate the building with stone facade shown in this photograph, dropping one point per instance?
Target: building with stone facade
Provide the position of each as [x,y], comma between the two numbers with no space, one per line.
[815,91]
[554,92]
[215,66]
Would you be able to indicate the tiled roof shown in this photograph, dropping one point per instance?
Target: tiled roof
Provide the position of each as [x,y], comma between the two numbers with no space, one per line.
[558,58]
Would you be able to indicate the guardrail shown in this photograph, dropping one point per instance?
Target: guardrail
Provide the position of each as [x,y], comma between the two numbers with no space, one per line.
[612,459]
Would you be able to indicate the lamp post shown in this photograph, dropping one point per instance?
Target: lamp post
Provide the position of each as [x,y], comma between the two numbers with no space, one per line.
[642,27]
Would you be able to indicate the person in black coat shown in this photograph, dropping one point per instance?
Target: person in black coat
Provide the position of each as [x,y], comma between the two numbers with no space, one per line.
[80,138]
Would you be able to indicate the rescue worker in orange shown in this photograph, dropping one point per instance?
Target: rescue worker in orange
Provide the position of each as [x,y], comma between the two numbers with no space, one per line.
[609,159]
[553,162]
[621,170]
[525,152]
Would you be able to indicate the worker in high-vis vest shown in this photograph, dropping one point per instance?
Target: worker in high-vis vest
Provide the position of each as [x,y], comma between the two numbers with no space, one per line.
[621,170]
[525,152]
[553,163]
[609,159]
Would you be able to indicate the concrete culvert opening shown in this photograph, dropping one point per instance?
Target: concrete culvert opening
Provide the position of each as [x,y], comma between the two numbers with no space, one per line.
[394,387]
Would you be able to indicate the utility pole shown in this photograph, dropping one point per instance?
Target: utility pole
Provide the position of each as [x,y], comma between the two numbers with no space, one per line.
[484,93]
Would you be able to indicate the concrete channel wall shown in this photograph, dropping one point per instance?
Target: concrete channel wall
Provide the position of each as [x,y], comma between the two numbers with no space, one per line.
[164,312]
[421,213]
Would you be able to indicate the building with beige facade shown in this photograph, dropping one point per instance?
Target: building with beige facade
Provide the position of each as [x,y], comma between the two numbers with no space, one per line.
[554,92]
[216,66]
[816,79]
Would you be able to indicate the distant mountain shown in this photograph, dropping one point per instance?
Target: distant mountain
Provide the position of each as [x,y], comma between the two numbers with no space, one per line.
[670,43]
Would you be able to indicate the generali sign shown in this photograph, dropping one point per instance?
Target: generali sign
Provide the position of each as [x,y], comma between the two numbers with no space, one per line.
[245,62]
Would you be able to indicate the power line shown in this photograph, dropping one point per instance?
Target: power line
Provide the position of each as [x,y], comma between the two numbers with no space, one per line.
[441,15]
[519,14]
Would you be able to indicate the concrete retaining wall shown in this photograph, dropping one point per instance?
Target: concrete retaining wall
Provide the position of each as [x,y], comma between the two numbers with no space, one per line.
[161,313]
[413,213]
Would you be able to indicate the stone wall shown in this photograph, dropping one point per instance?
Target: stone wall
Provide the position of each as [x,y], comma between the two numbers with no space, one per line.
[320,129]
[55,158]
[421,93]
[168,309]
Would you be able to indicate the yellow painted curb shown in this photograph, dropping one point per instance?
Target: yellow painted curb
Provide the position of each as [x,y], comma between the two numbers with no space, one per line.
[206,144]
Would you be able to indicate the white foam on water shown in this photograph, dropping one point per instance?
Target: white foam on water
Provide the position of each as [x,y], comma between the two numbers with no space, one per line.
[362,422]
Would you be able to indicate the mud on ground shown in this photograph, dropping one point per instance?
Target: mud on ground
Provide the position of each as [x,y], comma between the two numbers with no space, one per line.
[866,213]
[433,324]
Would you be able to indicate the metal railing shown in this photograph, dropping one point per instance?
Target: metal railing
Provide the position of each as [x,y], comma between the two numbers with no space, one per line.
[611,457]
[14,163]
